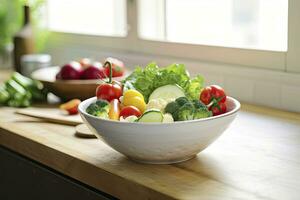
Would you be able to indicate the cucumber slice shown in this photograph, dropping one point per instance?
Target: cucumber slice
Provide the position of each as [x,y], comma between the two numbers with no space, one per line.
[167,92]
[152,115]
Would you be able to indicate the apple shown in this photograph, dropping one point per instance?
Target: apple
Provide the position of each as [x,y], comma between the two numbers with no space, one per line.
[85,62]
[70,71]
[94,71]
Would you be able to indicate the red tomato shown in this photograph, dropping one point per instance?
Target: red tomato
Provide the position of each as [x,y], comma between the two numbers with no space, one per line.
[212,92]
[109,91]
[130,110]
[73,111]
[205,95]
[215,98]
[219,109]
[218,93]
[71,106]
[118,67]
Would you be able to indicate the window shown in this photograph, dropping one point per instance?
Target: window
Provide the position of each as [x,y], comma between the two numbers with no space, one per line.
[253,33]
[94,17]
[250,24]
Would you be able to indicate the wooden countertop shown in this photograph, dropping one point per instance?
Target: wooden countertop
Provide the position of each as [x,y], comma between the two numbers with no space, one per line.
[258,157]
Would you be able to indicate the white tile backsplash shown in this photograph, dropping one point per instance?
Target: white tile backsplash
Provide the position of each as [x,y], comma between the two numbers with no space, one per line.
[290,98]
[241,88]
[267,93]
[213,79]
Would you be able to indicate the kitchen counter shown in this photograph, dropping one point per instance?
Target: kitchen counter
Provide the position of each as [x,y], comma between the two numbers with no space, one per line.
[258,157]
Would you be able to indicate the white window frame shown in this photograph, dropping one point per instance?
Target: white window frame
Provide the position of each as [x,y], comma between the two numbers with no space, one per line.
[280,61]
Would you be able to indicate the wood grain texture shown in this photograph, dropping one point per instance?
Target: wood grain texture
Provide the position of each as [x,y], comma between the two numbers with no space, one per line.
[51,115]
[83,131]
[258,157]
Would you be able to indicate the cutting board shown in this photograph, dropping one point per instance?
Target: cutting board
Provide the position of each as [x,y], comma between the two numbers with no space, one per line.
[56,116]
[52,115]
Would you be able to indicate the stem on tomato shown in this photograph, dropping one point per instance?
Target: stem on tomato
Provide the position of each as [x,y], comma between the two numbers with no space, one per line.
[215,103]
[210,104]
[110,71]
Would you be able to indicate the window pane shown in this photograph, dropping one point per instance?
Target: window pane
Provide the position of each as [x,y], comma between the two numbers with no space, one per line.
[257,24]
[151,19]
[96,17]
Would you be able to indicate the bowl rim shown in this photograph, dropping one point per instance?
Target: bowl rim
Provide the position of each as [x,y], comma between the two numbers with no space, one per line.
[232,112]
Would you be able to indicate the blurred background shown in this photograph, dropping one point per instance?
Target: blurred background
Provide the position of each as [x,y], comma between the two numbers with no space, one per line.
[250,24]
[234,43]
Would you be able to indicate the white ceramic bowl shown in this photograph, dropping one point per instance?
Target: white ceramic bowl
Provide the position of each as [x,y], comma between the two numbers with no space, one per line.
[160,143]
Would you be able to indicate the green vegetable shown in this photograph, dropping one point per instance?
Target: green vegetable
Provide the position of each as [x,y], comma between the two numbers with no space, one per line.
[4,95]
[99,109]
[186,112]
[35,87]
[181,101]
[201,110]
[183,109]
[14,88]
[172,108]
[152,115]
[167,92]
[19,97]
[20,91]
[151,77]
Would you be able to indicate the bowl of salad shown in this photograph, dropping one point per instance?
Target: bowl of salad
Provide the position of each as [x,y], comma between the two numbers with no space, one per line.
[159,115]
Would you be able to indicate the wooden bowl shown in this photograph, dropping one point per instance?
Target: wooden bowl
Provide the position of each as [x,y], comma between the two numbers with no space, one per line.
[67,89]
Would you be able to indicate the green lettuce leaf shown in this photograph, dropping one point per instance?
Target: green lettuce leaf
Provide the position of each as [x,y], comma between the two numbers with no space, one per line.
[151,77]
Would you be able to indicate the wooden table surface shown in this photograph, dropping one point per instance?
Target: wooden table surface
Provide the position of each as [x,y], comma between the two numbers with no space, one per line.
[258,157]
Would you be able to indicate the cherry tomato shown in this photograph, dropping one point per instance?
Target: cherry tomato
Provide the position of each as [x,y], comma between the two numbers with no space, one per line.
[135,101]
[118,67]
[109,91]
[218,93]
[205,96]
[215,98]
[130,110]
[219,108]
[212,92]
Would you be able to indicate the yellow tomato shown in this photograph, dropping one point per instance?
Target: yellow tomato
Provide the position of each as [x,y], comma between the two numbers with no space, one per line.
[132,93]
[136,101]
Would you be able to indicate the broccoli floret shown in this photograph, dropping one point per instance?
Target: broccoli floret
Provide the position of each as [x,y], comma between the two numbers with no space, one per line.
[103,114]
[201,110]
[186,112]
[182,100]
[202,114]
[102,103]
[99,109]
[172,107]
[92,109]
[182,109]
